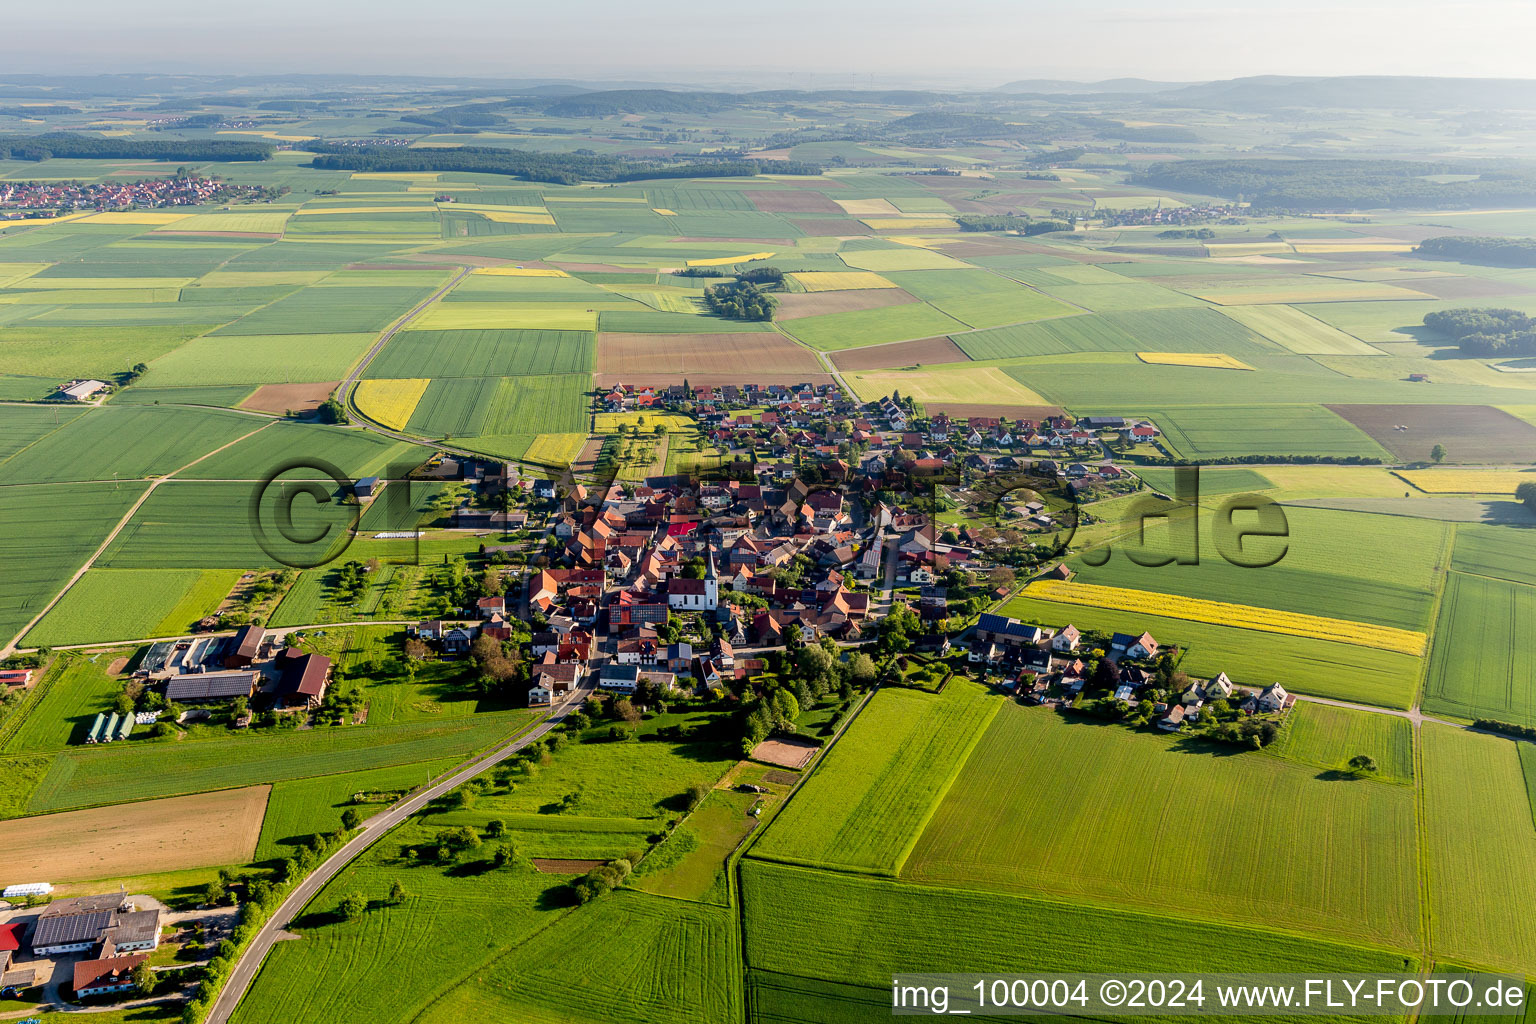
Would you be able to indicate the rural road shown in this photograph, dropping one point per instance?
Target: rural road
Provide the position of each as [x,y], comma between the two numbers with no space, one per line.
[373,830]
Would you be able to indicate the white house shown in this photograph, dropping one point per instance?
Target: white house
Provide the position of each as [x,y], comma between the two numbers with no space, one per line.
[1067,639]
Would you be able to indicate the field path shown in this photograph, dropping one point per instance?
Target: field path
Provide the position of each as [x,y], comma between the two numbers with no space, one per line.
[10,648]
[374,829]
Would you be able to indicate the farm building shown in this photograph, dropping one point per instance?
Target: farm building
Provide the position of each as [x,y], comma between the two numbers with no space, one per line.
[619,678]
[209,687]
[75,925]
[1000,629]
[107,976]
[304,677]
[82,390]
[16,678]
[365,487]
[245,648]
[11,936]
[172,657]
[12,892]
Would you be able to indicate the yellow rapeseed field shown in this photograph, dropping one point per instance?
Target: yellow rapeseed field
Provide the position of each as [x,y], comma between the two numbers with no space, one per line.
[135,217]
[907,223]
[555,449]
[841,280]
[1467,481]
[390,402]
[609,422]
[511,217]
[664,213]
[1241,616]
[720,261]
[1217,360]
[521,272]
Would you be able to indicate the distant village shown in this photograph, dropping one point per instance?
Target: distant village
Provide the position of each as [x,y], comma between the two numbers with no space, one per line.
[21,200]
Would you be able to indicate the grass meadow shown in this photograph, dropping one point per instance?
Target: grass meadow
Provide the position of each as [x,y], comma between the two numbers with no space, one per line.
[868,799]
[1327,737]
[129,604]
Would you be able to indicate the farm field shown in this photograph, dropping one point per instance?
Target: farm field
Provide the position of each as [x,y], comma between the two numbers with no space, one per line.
[872,327]
[806,928]
[865,804]
[1186,330]
[1339,565]
[208,830]
[127,442]
[483,353]
[258,359]
[1103,833]
[1479,845]
[957,383]
[1327,737]
[1221,613]
[1467,481]
[1500,552]
[46,533]
[144,770]
[652,354]
[1480,668]
[1214,433]
[74,691]
[390,402]
[1298,332]
[127,604]
[298,808]
[1475,434]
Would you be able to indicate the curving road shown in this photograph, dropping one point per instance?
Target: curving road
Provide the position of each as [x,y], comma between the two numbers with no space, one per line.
[373,830]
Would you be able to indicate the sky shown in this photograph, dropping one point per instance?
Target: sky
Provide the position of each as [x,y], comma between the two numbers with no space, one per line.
[785,44]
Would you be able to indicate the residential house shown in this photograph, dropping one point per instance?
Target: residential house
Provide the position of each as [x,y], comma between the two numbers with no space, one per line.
[107,976]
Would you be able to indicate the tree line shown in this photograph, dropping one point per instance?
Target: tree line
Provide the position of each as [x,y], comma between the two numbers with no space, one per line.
[1347,184]
[84,147]
[1483,333]
[1494,252]
[554,168]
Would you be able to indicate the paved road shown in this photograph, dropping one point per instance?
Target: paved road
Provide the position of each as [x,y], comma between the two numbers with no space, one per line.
[1413,714]
[373,830]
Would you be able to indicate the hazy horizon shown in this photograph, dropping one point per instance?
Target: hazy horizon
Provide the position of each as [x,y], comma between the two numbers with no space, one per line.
[794,44]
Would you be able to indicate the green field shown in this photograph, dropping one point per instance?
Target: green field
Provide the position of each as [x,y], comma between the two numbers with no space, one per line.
[1504,553]
[978,298]
[871,327]
[486,353]
[1154,330]
[1343,565]
[356,453]
[126,441]
[1327,737]
[1087,833]
[298,808]
[146,769]
[807,928]
[73,695]
[331,309]
[259,359]
[1214,433]
[1479,846]
[130,604]
[46,533]
[1481,665]
[863,808]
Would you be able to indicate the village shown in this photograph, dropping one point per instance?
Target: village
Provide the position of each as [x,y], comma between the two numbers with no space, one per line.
[21,200]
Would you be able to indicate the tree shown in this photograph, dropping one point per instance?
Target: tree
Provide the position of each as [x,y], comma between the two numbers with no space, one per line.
[496,828]
[144,979]
[351,818]
[397,892]
[505,854]
[624,709]
[415,650]
[862,669]
[1526,493]
[351,906]
[1437,453]
[1361,763]
[695,795]
[213,895]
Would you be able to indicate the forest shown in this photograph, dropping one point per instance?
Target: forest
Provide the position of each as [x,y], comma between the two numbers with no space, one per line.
[1315,185]
[67,145]
[554,168]
[1494,252]
[1487,332]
